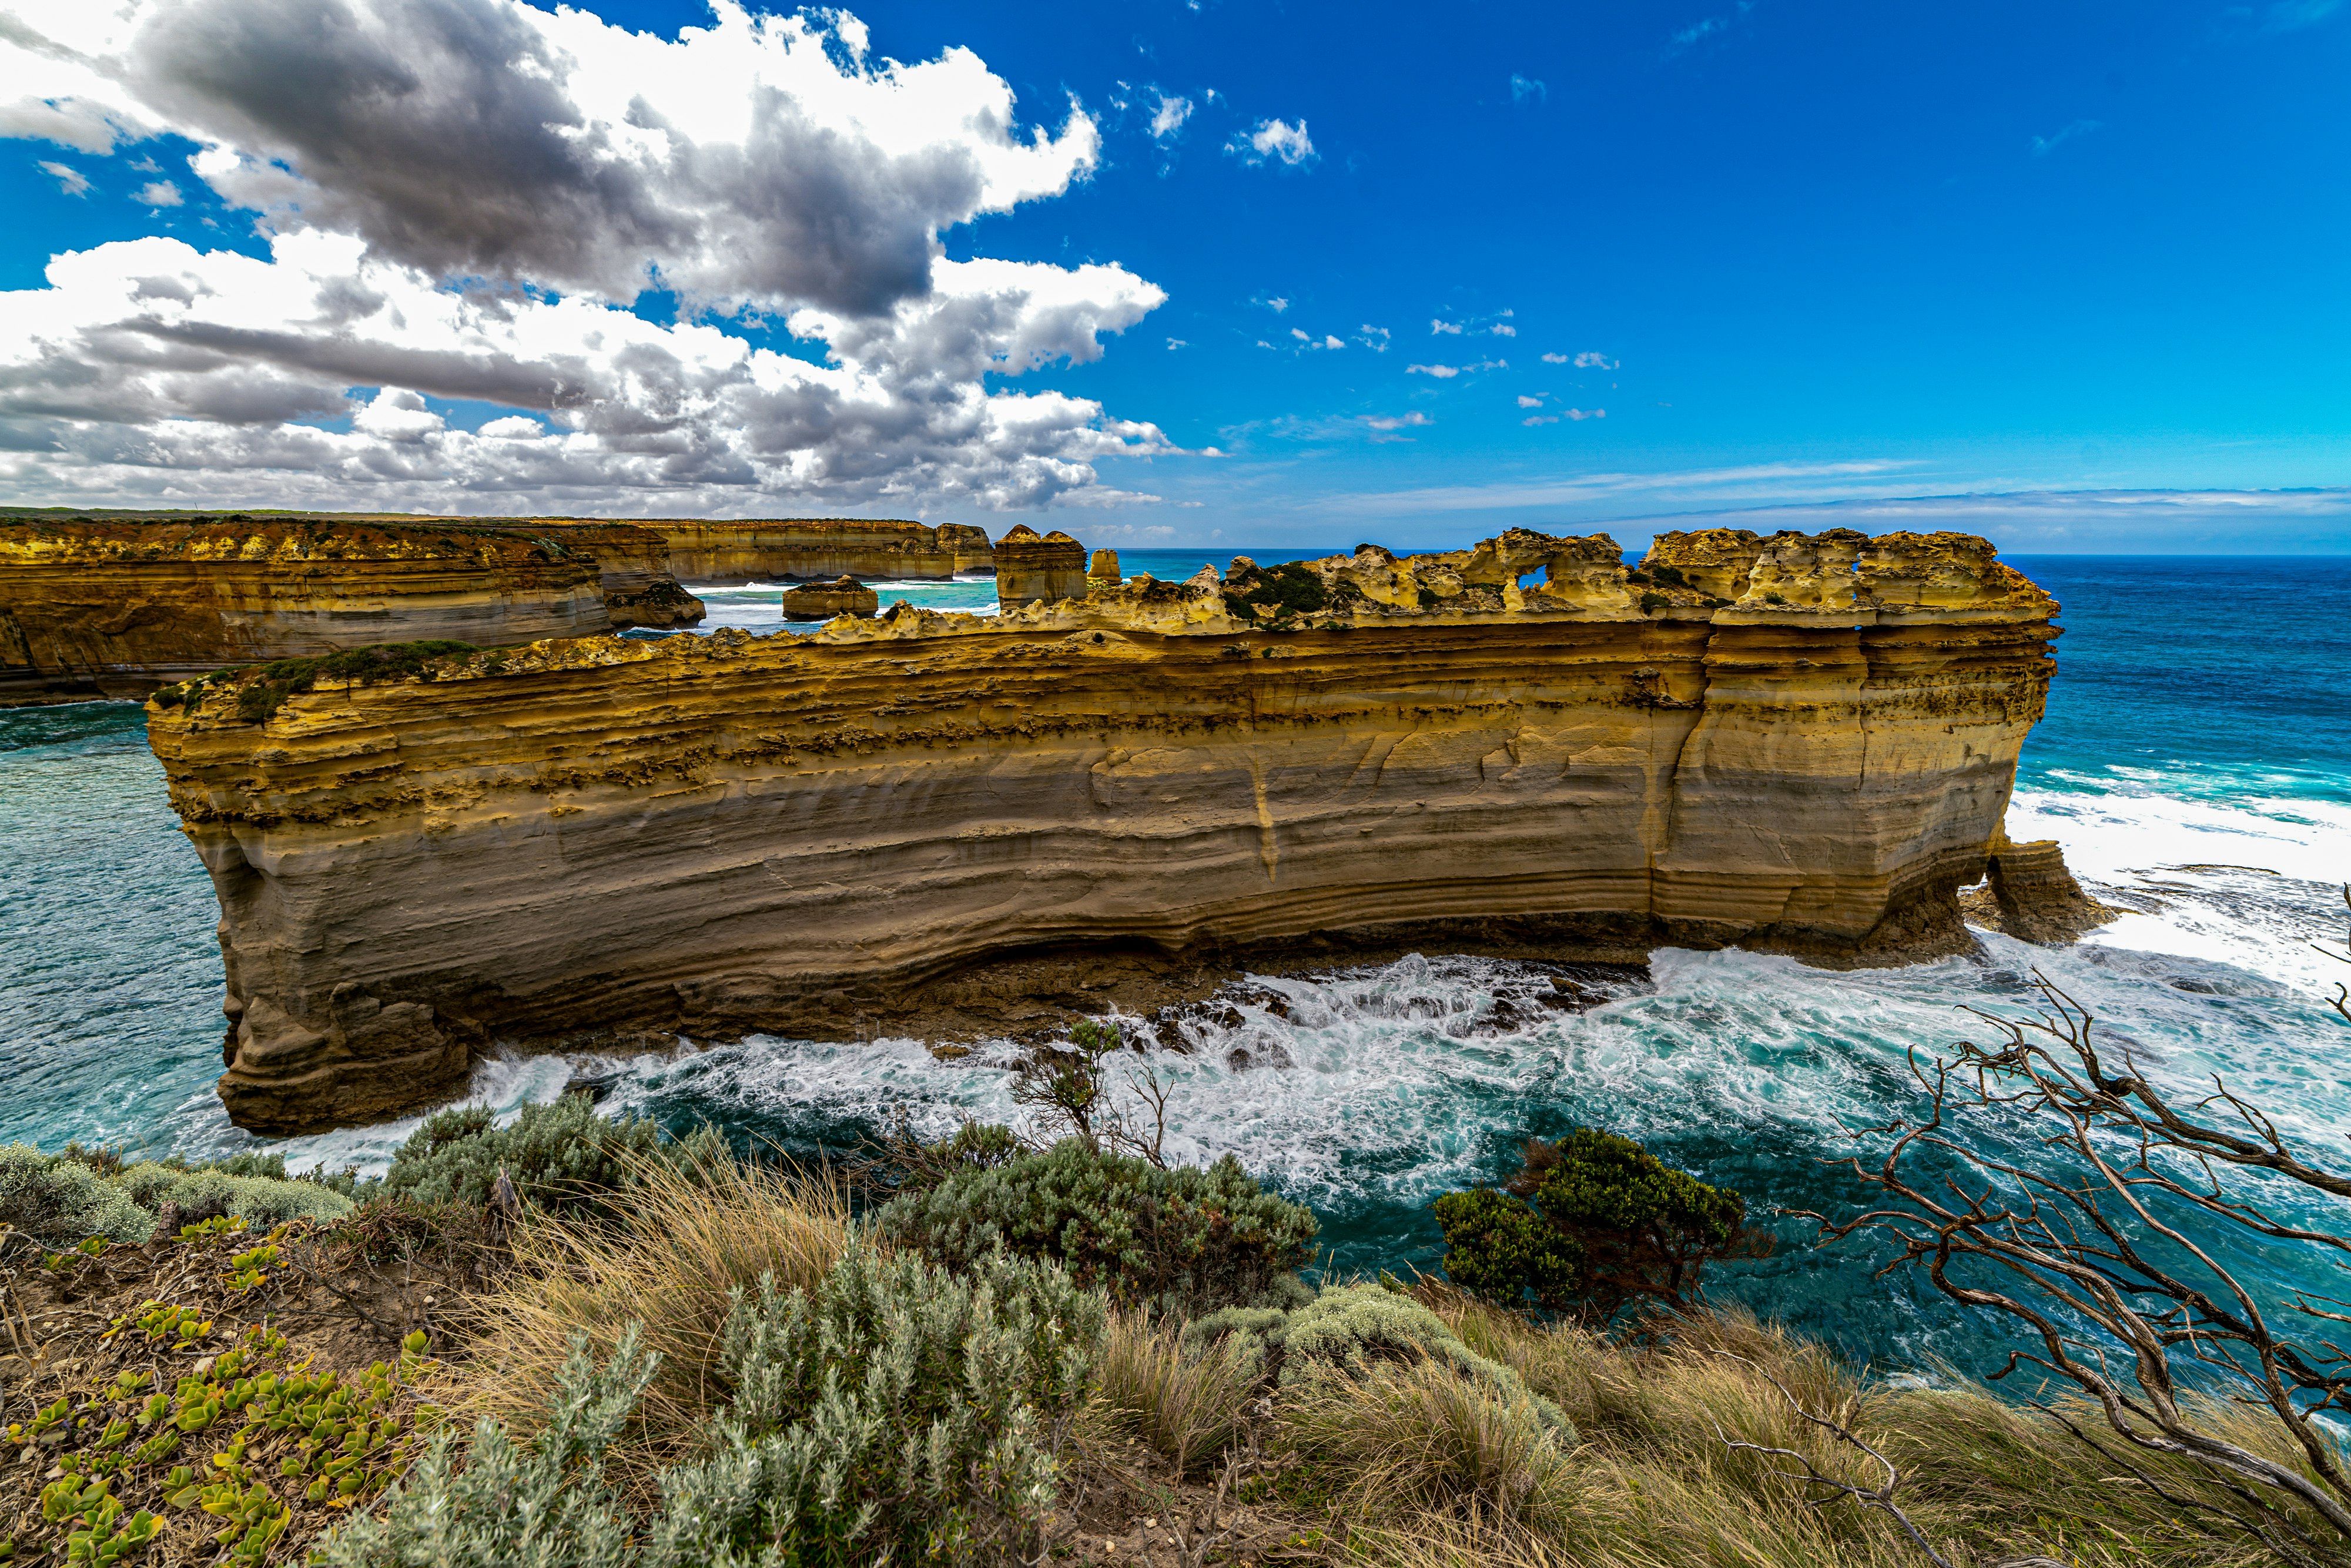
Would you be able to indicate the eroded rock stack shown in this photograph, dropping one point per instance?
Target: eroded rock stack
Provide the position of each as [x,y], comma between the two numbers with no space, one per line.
[1034,570]
[1521,747]
[823,601]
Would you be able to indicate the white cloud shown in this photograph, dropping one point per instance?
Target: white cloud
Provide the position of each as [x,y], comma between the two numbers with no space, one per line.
[456,205]
[1453,328]
[1276,139]
[1330,342]
[1590,360]
[759,161]
[1503,329]
[1442,372]
[2044,145]
[1299,333]
[158,194]
[1524,87]
[1540,419]
[1374,337]
[1275,304]
[1178,343]
[71,181]
[1554,359]
[1168,119]
[1526,402]
[1568,413]
[1397,421]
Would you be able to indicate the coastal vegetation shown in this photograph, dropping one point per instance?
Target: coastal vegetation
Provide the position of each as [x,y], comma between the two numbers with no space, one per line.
[570,1339]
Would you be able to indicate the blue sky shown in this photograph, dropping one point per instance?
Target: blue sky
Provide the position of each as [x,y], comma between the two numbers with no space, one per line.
[1800,253]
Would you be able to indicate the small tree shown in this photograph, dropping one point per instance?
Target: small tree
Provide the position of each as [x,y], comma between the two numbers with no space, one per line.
[1591,1225]
[1070,1084]
[2104,1250]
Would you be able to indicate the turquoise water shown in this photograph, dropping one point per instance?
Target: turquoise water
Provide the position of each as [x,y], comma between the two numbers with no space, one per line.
[2196,763]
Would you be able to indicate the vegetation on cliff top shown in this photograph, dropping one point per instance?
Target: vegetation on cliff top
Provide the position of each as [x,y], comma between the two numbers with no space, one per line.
[1069,1354]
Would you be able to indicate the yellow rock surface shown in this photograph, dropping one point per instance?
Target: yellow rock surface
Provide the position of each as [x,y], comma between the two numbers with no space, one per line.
[712,835]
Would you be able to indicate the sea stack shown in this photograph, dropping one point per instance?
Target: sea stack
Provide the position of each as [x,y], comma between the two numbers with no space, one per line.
[711,835]
[1031,569]
[823,601]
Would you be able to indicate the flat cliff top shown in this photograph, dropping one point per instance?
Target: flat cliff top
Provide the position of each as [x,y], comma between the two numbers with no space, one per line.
[1828,582]
[90,539]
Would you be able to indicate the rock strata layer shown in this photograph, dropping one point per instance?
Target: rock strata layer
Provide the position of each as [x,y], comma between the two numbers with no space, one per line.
[2030,894]
[812,549]
[116,607]
[715,835]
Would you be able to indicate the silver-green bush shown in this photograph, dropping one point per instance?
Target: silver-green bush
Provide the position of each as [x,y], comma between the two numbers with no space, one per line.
[59,1202]
[895,1411]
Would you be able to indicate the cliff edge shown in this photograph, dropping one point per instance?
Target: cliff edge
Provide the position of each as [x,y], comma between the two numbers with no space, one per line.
[1800,744]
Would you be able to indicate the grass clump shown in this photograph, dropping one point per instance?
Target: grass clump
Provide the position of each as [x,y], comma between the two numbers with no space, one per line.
[1184,1240]
[1187,1398]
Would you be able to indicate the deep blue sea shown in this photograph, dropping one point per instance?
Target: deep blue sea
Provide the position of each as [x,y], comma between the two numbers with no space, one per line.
[2196,763]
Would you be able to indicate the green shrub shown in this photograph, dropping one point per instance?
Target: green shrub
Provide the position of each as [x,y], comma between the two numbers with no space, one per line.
[1348,1330]
[1185,1240]
[261,1201]
[563,1157]
[1624,1227]
[1289,589]
[897,1413]
[59,1202]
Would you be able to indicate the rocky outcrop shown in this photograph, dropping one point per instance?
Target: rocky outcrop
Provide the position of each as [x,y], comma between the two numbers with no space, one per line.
[823,601]
[116,607]
[2030,894]
[810,549]
[1514,747]
[632,566]
[1031,569]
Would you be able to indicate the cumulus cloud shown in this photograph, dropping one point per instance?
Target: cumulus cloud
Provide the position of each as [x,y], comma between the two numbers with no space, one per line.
[70,179]
[1375,338]
[158,194]
[1397,421]
[757,161]
[1524,87]
[460,194]
[1568,413]
[1526,402]
[1331,343]
[1168,119]
[1503,329]
[1554,359]
[1451,327]
[1442,372]
[1588,360]
[1275,140]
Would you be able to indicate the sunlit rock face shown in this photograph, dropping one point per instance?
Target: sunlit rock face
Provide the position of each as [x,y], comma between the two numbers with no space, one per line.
[816,550]
[116,607]
[1032,569]
[1524,746]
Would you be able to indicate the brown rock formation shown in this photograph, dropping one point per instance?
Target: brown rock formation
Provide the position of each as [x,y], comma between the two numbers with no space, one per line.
[1102,567]
[720,834]
[2031,896]
[1033,570]
[823,601]
[632,563]
[107,607]
[810,549]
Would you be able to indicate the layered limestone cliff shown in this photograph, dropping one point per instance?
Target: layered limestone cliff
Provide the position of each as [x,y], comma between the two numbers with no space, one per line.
[632,568]
[815,549]
[107,607]
[1519,747]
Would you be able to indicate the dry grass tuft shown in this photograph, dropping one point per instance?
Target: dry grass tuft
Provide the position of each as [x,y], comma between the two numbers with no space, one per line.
[1189,1407]
[686,1240]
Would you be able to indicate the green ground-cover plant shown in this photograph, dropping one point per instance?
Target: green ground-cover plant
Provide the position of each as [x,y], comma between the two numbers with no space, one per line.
[895,1412]
[1591,1225]
[246,1445]
[1183,1241]
[1279,592]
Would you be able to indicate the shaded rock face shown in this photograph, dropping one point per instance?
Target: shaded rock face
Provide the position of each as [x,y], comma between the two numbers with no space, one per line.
[1031,569]
[632,566]
[823,601]
[715,835]
[117,607]
[811,549]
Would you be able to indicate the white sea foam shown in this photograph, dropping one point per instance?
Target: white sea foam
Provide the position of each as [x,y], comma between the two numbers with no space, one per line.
[2254,882]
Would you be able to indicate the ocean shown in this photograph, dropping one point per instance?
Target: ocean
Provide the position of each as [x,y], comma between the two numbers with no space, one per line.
[2196,764]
